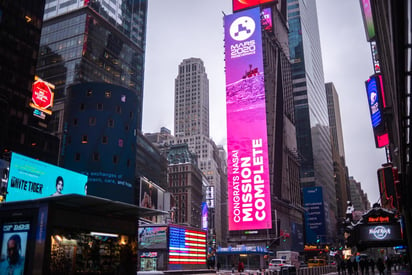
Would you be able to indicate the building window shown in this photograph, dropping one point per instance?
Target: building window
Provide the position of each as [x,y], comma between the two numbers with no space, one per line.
[77,156]
[118,109]
[89,92]
[123,98]
[115,159]
[99,106]
[96,156]
[110,123]
[84,139]
[105,139]
[92,121]
[75,121]
[107,94]
[82,107]
[120,142]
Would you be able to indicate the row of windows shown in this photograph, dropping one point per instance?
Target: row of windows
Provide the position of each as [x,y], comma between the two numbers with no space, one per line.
[93,121]
[95,156]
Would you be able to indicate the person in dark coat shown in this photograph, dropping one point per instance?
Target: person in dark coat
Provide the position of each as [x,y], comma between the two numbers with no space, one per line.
[362,265]
[372,265]
[349,266]
[380,266]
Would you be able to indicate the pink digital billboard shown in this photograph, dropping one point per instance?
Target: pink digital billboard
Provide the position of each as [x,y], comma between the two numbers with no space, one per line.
[248,170]
[245,4]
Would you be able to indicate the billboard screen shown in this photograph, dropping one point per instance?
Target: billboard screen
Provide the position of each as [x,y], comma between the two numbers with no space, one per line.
[368,19]
[376,101]
[186,246]
[245,4]
[248,169]
[151,196]
[152,237]
[42,96]
[14,247]
[314,214]
[380,233]
[32,179]
[204,216]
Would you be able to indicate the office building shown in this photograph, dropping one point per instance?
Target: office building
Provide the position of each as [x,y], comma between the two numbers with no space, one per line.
[191,122]
[92,41]
[311,111]
[21,131]
[271,103]
[338,151]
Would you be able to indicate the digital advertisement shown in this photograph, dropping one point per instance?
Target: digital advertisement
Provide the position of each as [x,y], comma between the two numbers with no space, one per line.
[152,237]
[32,179]
[186,246]
[248,169]
[14,246]
[314,214]
[244,4]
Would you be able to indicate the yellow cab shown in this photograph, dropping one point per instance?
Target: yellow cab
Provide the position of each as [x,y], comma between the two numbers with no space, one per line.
[316,262]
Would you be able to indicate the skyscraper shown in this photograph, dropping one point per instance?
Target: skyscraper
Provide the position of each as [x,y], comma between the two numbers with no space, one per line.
[338,151]
[20,130]
[84,41]
[311,112]
[191,120]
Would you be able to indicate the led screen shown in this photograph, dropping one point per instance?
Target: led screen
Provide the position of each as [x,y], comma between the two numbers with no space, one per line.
[32,179]
[204,216]
[248,169]
[368,19]
[152,237]
[14,246]
[376,101]
[244,4]
[266,16]
[186,246]
[314,213]
[380,233]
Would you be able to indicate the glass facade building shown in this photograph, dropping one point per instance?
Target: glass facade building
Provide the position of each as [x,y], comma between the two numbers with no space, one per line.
[311,110]
[84,41]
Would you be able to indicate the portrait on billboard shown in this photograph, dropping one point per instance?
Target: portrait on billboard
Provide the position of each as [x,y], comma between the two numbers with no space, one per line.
[13,250]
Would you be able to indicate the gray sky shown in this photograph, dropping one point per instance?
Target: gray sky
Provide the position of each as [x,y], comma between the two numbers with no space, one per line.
[194,28]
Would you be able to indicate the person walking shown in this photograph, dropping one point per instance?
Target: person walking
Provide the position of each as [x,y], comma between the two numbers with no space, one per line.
[372,265]
[380,266]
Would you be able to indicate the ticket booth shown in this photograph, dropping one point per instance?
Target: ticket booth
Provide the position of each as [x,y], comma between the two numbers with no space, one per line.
[71,234]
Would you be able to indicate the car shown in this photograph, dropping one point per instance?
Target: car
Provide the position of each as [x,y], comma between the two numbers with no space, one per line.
[316,262]
[276,264]
[302,264]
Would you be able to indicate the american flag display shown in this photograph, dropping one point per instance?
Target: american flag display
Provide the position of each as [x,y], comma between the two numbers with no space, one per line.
[186,246]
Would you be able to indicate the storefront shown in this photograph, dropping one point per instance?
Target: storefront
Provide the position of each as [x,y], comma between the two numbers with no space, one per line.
[71,234]
[252,257]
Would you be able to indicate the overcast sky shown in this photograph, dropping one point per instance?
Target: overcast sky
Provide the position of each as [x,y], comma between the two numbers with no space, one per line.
[194,28]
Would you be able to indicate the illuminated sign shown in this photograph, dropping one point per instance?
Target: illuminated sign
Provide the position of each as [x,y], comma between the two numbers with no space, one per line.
[32,179]
[314,213]
[388,179]
[368,19]
[375,59]
[382,232]
[14,247]
[376,100]
[244,4]
[378,219]
[266,16]
[204,216]
[186,246]
[248,169]
[42,96]
[152,237]
[151,196]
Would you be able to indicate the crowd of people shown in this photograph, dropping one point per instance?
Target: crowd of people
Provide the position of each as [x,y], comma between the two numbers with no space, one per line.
[364,266]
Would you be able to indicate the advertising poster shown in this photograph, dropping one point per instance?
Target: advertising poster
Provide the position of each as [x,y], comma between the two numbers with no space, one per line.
[152,237]
[245,4]
[32,179]
[13,249]
[248,169]
[314,214]
[204,216]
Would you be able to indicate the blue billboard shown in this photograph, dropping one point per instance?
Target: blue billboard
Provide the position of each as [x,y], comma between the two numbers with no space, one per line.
[32,179]
[315,227]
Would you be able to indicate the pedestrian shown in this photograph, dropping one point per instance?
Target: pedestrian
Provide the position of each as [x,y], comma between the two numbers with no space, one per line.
[343,266]
[349,266]
[355,267]
[388,265]
[380,266]
[241,267]
[362,265]
[218,266]
[233,268]
[372,265]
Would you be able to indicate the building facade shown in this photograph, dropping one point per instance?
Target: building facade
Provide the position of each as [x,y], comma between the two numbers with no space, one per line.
[311,112]
[338,151]
[85,41]
[21,131]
